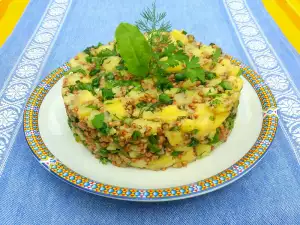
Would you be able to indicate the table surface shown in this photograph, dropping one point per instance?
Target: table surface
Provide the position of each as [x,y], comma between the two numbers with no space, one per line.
[51,32]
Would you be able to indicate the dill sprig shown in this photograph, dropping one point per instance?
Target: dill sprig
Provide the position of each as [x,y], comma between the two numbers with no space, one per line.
[153,20]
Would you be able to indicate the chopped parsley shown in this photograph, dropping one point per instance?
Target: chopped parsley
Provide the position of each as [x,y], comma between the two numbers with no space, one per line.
[210,75]
[136,135]
[194,142]
[165,99]
[153,139]
[226,85]
[153,148]
[176,153]
[94,71]
[107,93]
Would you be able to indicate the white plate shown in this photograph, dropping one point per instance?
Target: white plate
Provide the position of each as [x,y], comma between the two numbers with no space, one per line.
[90,175]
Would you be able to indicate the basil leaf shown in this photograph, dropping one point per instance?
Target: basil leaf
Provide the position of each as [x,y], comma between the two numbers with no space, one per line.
[133,48]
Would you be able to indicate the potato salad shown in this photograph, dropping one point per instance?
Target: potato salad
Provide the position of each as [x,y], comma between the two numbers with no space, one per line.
[151,100]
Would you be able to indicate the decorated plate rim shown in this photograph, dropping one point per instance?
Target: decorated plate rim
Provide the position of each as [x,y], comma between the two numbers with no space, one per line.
[227,176]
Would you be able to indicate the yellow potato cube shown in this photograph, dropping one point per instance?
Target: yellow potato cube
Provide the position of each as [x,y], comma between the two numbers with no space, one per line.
[187,125]
[84,112]
[171,113]
[183,149]
[109,64]
[163,162]
[174,137]
[140,163]
[177,35]
[188,156]
[203,150]
[115,107]
[84,96]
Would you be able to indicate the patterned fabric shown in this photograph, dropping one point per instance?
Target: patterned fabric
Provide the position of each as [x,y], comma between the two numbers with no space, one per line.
[50,32]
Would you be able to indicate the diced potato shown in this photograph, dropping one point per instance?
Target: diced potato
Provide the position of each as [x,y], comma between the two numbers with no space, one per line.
[206,50]
[146,123]
[172,91]
[134,95]
[214,82]
[187,156]
[140,163]
[183,149]
[187,125]
[182,99]
[209,91]
[68,99]
[174,137]
[203,150]
[220,70]
[115,107]
[192,49]
[175,69]
[171,113]
[84,96]
[203,111]
[103,47]
[188,83]
[134,154]
[226,62]
[236,82]
[177,35]
[109,64]
[234,70]
[80,59]
[84,112]
[163,162]
[220,118]
[112,146]
[204,125]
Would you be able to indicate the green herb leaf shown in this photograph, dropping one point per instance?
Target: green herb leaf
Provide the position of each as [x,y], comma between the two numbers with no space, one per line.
[163,83]
[194,142]
[153,21]
[216,55]
[136,135]
[77,69]
[93,107]
[180,77]
[103,152]
[133,48]
[240,72]
[98,121]
[193,63]
[226,85]
[153,148]
[141,104]
[176,153]
[165,99]
[93,72]
[210,75]
[176,128]
[196,74]
[96,82]
[104,160]
[153,139]
[216,138]
[107,93]
[84,86]
[89,59]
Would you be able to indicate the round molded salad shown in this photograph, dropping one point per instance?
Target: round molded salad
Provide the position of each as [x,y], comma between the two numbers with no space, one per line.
[152,98]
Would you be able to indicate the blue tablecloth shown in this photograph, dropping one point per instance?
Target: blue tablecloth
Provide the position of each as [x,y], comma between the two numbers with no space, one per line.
[50,32]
